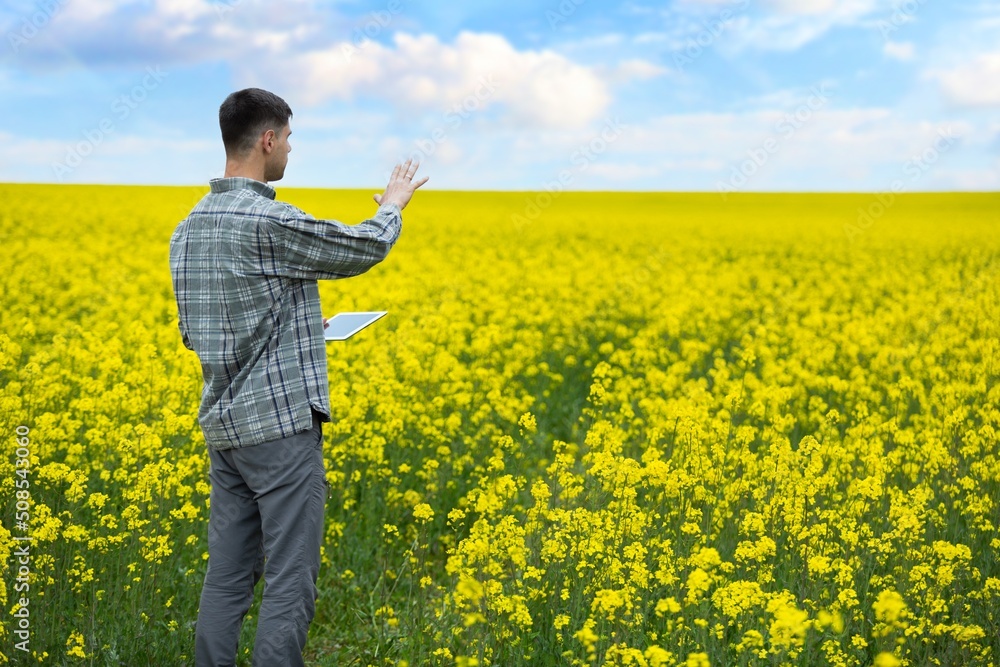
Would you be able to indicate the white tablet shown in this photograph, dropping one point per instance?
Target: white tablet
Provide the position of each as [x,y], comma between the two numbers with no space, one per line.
[344,325]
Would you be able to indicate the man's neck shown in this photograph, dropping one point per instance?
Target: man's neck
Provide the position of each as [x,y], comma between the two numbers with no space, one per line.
[236,169]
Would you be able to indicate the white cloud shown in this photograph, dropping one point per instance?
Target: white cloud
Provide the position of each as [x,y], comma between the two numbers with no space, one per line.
[421,73]
[189,10]
[633,69]
[113,32]
[899,50]
[788,25]
[624,173]
[113,159]
[600,41]
[773,25]
[841,10]
[826,149]
[292,53]
[817,95]
[20,155]
[651,37]
[89,11]
[973,83]
[837,149]
[987,179]
[801,7]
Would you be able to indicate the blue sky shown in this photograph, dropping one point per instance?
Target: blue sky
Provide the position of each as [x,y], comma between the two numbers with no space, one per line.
[712,95]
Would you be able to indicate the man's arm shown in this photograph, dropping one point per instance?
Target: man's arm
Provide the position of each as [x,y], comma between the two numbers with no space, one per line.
[178,276]
[318,249]
[328,249]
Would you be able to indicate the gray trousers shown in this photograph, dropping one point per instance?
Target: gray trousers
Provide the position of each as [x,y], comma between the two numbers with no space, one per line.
[267,509]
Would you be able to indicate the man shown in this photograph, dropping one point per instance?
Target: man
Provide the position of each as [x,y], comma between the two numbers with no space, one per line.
[244,270]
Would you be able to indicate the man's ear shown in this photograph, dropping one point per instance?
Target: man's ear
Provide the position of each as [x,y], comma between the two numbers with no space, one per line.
[268,140]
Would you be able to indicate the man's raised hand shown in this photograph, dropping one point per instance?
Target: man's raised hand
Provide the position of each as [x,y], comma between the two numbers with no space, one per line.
[401,185]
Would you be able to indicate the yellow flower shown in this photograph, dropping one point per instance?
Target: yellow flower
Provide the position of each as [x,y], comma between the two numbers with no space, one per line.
[890,610]
[74,645]
[587,636]
[470,589]
[667,605]
[886,660]
[423,513]
[658,656]
[608,602]
[689,427]
[697,660]
[790,624]
[819,565]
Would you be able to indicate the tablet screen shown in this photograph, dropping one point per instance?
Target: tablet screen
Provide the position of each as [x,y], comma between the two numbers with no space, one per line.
[344,325]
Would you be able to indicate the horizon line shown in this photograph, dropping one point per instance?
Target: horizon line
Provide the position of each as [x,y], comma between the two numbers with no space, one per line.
[276,185]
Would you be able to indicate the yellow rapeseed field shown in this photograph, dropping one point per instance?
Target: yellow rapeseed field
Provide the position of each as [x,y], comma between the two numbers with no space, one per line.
[595,429]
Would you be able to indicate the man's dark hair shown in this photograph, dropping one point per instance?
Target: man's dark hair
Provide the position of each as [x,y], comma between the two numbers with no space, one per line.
[248,112]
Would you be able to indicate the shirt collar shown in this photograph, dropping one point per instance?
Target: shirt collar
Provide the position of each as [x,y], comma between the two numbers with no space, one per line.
[241,183]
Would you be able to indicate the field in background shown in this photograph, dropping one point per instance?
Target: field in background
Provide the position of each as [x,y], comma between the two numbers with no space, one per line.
[622,429]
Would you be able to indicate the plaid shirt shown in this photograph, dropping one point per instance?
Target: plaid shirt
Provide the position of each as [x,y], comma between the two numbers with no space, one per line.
[244,270]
